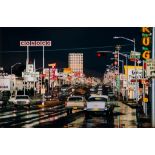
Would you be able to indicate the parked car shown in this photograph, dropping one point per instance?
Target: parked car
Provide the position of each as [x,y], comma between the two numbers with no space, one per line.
[98,104]
[22,100]
[75,102]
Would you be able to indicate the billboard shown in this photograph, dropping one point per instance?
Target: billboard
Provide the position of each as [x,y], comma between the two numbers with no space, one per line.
[67,70]
[4,84]
[53,73]
[30,76]
[132,72]
[150,68]
[35,43]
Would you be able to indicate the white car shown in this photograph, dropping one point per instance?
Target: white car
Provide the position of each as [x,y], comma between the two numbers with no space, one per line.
[12,99]
[75,102]
[98,104]
[22,100]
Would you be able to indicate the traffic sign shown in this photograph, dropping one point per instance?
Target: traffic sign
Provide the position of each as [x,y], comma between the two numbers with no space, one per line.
[135,55]
[150,68]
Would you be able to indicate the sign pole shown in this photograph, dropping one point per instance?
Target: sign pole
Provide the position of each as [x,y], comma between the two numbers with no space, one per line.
[144,104]
[43,73]
[43,59]
[153,80]
[127,78]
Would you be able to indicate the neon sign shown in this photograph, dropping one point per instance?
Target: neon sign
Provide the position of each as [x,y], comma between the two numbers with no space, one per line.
[146,42]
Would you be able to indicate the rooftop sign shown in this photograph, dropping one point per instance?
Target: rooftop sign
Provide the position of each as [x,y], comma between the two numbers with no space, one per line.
[35,43]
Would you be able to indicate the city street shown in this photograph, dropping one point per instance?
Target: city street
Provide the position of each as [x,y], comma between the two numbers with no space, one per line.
[96,85]
[123,117]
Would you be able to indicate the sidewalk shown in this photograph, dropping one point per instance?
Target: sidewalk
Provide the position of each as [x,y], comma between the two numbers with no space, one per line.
[125,116]
[142,120]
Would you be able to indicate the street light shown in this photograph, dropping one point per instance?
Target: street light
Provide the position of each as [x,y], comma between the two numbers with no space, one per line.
[133,41]
[18,63]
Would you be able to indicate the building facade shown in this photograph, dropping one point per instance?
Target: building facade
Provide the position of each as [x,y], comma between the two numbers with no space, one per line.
[75,62]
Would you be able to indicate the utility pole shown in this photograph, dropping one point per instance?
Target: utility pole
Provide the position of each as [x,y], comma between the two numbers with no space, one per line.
[153,80]
[118,47]
[127,85]
[144,104]
[43,86]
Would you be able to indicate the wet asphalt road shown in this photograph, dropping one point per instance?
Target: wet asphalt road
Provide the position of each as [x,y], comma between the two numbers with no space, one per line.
[55,117]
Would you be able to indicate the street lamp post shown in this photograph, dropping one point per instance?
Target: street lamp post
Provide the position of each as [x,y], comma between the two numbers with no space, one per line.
[18,63]
[133,41]
[11,75]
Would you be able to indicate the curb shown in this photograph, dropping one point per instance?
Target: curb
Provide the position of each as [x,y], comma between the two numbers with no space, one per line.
[132,105]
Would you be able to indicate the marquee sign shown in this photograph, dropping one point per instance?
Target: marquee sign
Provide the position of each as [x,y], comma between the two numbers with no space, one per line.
[146,42]
[35,43]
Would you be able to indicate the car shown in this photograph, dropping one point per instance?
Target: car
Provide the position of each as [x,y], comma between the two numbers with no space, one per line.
[48,97]
[75,102]
[99,88]
[98,104]
[93,90]
[22,100]
[11,100]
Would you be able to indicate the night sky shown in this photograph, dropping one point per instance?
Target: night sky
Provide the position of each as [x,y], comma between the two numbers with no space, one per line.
[66,40]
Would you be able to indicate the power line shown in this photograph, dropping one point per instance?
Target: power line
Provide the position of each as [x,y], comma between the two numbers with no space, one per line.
[66,49]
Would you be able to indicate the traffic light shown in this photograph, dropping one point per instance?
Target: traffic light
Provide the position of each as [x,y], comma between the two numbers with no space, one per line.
[116,55]
[98,54]
[115,59]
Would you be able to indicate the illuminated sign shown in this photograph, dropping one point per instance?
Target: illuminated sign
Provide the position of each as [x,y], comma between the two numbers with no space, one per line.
[133,72]
[134,55]
[67,70]
[146,43]
[52,65]
[4,84]
[30,68]
[35,43]
[150,68]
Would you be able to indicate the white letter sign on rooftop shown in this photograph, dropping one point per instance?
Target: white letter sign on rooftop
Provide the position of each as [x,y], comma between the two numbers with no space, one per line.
[35,43]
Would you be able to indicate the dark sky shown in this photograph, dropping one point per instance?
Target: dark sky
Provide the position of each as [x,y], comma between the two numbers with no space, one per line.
[65,40]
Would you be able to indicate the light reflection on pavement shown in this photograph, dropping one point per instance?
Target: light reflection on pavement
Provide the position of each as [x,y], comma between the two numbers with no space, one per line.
[127,117]
[124,117]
